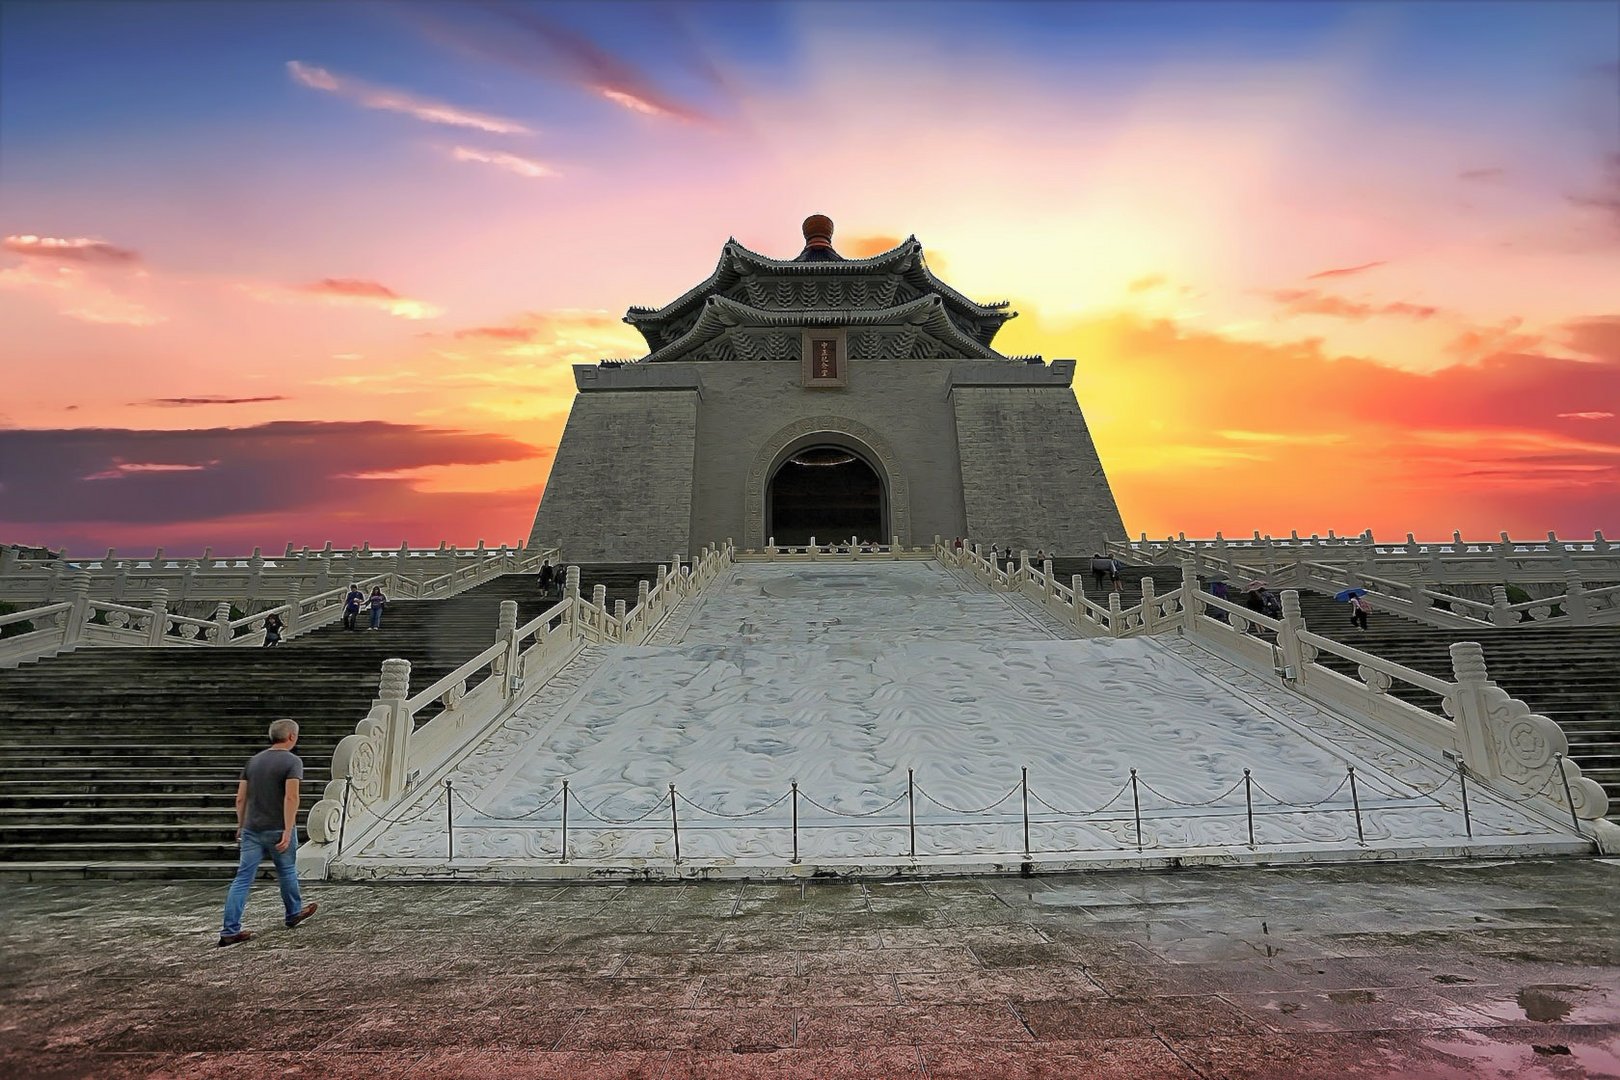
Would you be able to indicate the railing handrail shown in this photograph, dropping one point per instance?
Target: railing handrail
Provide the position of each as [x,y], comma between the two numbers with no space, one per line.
[416,701]
[29,615]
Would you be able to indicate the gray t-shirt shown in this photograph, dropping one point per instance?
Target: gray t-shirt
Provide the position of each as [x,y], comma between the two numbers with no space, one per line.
[267,773]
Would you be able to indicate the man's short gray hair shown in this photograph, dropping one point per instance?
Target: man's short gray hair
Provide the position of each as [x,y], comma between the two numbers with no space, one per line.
[282,730]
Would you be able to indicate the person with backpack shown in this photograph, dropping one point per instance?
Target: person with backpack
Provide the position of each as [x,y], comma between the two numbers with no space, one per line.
[547,576]
[272,629]
[1359,607]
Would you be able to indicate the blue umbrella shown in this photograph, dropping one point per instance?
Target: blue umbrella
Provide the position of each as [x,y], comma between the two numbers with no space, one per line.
[1348,593]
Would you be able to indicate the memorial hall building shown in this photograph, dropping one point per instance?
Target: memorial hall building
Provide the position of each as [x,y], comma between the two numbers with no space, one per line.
[822,397]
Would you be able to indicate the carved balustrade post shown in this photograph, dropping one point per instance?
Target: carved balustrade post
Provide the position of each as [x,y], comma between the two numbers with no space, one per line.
[1149,607]
[295,597]
[1469,706]
[894,545]
[642,591]
[770,549]
[255,582]
[663,577]
[599,598]
[1500,613]
[1293,650]
[1574,602]
[1191,602]
[221,633]
[506,667]
[1077,586]
[393,688]
[8,560]
[78,617]
[571,583]
[1046,572]
[402,559]
[618,613]
[120,581]
[188,580]
[1600,544]
[1116,622]
[160,617]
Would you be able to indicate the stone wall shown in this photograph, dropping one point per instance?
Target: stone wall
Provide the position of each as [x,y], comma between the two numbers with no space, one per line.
[620,488]
[1030,473]
[672,456]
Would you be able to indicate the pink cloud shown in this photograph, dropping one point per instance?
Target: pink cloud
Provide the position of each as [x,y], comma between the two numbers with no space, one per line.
[398,101]
[1344,271]
[78,249]
[1313,302]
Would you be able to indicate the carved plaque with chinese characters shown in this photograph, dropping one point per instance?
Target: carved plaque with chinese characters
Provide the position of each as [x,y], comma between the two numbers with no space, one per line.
[825,359]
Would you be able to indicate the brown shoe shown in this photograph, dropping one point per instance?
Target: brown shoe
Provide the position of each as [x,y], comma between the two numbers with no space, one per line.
[233,939]
[309,909]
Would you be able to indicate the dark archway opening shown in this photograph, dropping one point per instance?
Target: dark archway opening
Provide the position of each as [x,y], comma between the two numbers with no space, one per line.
[829,493]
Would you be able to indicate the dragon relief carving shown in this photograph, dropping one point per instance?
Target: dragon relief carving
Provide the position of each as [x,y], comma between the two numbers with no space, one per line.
[1530,747]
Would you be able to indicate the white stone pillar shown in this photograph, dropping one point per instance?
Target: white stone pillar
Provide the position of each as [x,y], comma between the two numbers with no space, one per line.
[1192,604]
[1046,572]
[295,596]
[599,598]
[506,631]
[1149,606]
[393,688]
[1293,650]
[571,583]
[222,623]
[1116,624]
[1574,602]
[1470,709]
[160,617]
[1500,615]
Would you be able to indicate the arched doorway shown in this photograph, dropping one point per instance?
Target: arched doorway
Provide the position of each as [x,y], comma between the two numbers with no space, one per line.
[828,492]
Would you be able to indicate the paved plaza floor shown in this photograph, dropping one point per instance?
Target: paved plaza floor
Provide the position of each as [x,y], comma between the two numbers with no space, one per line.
[1420,970]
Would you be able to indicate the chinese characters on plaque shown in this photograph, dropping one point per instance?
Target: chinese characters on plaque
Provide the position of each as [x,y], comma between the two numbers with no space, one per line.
[824,358]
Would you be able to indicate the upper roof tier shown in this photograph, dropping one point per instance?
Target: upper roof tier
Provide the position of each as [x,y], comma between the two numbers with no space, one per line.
[819,287]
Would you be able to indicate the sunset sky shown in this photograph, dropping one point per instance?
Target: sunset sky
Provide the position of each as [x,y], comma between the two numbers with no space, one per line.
[307,272]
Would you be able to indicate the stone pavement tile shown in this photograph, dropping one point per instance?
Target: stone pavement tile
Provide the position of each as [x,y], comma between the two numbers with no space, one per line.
[1020,984]
[922,1025]
[669,942]
[715,963]
[1085,1021]
[418,1027]
[541,1065]
[1375,1055]
[885,961]
[40,1065]
[1110,1059]
[1543,1003]
[593,991]
[1403,1008]
[1573,1050]
[1014,954]
[754,1029]
[206,1029]
[742,989]
[357,1065]
[831,1063]
[1197,1016]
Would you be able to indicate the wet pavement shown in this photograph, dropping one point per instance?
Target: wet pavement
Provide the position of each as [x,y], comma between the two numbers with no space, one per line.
[1412,970]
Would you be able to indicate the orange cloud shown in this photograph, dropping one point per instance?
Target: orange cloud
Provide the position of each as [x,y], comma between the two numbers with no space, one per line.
[1312,302]
[348,292]
[398,101]
[81,296]
[1150,281]
[1344,271]
[77,249]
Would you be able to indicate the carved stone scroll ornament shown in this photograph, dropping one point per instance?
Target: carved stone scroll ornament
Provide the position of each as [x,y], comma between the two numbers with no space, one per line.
[360,757]
[1528,746]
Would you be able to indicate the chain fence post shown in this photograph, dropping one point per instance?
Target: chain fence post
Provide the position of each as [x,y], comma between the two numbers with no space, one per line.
[674,824]
[1575,819]
[1248,804]
[795,822]
[564,848]
[1355,804]
[344,820]
[1462,783]
[1136,806]
[911,811]
[450,817]
[1023,782]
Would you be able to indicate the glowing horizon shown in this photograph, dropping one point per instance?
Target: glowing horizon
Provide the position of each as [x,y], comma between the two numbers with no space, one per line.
[320,273]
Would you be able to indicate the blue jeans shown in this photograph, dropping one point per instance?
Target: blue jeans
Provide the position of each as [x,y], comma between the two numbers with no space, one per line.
[256,844]
[376,617]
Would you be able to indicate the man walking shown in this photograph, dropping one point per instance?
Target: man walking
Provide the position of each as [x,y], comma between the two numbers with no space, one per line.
[267,824]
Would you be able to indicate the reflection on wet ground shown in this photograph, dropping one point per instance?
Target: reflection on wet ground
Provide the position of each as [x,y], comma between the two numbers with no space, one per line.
[1391,970]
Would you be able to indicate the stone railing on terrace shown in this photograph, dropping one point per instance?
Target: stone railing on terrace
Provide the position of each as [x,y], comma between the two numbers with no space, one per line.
[250,580]
[1576,605]
[1068,603]
[1459,562]
[846,550]
[1490,736]
[81,620]
[393,751]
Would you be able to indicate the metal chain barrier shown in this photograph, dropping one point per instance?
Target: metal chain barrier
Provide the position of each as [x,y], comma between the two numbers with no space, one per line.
[1190,805]
[971,813]
[735,817]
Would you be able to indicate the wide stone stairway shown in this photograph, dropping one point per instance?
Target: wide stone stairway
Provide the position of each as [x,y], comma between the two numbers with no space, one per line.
[1571,674]
[123,761]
